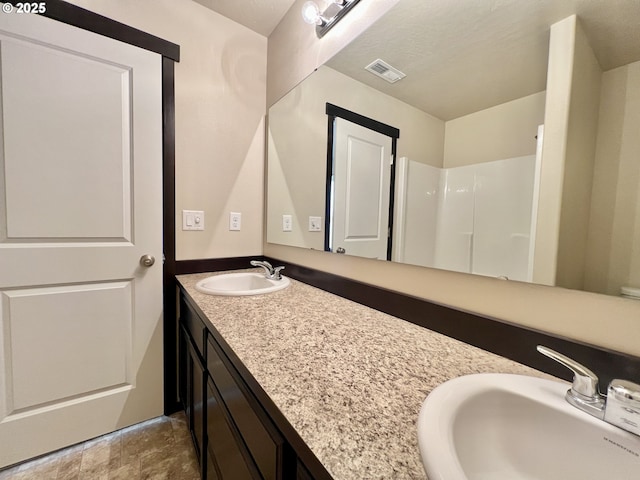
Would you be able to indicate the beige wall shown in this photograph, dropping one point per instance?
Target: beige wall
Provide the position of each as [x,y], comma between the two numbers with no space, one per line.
[220,89]
[297,143]
[601,320]
[559,74]
[582,130]
[503,131]
[295,51]
[613,255]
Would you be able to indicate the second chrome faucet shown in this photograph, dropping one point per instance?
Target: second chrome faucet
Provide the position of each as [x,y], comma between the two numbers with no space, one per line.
[269,271]
[621,405]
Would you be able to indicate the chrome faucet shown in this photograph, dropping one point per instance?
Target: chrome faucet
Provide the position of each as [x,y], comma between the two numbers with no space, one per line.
[269,271]
[621,405]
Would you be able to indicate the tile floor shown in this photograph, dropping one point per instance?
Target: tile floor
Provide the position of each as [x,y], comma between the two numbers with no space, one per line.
[158,449]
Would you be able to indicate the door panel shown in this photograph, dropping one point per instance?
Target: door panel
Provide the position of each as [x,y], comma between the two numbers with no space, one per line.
[80,203]
[362,186]
[81,317]
[365,164]
[48,129]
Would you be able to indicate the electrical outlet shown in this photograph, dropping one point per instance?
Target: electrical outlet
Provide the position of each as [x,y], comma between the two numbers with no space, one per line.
[192,220]
[287,223]
[235,221]
[315,224]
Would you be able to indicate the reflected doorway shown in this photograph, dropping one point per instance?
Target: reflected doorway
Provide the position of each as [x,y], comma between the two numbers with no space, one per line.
[360,185]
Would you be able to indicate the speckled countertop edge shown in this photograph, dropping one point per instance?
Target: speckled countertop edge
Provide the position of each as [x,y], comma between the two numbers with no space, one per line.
[350,380]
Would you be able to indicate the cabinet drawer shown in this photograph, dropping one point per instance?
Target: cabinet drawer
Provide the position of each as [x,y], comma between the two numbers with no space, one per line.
[198,403]
[221,443]
[265,446]
[194,393]
[302,473]
[211,473]
[194,326]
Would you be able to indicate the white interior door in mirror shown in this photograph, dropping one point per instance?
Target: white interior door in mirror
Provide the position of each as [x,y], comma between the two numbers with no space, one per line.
[361,190]
[81,202]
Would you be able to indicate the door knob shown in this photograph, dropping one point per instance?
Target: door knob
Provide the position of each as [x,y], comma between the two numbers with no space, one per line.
[147,260]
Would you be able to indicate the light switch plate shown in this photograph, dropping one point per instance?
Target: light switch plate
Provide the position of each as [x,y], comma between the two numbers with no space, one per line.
[287,223]
[315,224]
[192,220]
[235,221]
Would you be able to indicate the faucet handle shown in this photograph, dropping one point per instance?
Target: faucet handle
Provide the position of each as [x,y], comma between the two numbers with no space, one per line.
[276,273]
[623,405]
[259,263]
[627,392]
[583,393]
[585,382]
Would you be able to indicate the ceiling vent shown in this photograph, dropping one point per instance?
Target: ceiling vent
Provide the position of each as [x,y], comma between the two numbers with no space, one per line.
[385,71]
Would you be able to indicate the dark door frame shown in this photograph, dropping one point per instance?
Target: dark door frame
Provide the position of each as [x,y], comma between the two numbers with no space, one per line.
[333,112]
[170,52]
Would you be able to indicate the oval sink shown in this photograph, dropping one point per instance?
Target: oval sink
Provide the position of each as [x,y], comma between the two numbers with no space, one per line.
[242,283]
[514,427]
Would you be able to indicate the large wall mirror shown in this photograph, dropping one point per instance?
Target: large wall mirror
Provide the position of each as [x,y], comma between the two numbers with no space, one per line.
[518,153]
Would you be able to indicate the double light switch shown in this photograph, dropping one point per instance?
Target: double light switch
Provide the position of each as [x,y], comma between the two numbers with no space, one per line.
[192,220]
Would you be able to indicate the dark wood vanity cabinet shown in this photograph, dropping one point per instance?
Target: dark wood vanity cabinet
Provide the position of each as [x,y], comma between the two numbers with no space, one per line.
[262,440]
[234,435]
[225,455]
[191,389]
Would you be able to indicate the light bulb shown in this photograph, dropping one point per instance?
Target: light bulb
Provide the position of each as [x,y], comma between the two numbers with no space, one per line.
[311,13]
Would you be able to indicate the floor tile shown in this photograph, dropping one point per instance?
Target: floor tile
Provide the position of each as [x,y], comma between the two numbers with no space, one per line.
[158,449]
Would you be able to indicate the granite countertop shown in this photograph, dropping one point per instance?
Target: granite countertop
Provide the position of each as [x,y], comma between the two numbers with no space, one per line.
[351,380]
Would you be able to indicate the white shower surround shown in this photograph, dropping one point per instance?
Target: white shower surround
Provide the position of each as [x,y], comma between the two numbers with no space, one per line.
[473,219]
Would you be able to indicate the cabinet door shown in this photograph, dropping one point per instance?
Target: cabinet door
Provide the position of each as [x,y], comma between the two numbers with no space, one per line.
[183,376]
[265,445]
[192,389]
[198,401]
[211,473]
[228,456]
[302,473]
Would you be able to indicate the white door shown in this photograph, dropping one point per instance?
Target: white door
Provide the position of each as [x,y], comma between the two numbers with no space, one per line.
[361,190]
[80,203]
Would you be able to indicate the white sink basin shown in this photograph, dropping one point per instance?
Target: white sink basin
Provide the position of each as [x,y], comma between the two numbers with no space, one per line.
[242,283]
[513,427]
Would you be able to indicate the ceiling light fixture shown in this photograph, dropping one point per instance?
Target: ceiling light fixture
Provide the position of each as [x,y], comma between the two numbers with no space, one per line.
[324,21]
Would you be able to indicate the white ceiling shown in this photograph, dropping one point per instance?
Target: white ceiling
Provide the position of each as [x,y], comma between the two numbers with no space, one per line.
[261,16]
[463,56]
